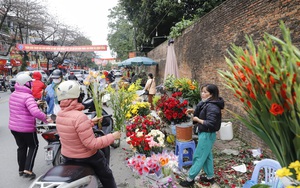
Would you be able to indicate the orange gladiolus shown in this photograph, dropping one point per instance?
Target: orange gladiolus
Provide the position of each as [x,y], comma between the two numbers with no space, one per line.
[276,109]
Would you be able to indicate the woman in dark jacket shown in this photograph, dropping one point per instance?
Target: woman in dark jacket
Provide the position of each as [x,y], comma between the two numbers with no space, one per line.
[207,117]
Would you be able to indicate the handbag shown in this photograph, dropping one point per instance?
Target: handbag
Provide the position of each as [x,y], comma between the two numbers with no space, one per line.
[146,91]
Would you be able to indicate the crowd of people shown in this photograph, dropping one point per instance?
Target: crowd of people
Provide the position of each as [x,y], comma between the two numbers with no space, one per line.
[75,128]
[64,100]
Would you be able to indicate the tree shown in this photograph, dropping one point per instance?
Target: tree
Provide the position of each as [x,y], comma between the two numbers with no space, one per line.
[121,36]
[153,19]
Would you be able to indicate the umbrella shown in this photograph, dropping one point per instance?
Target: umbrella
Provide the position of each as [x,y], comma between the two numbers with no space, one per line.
[171,67]
[138,61]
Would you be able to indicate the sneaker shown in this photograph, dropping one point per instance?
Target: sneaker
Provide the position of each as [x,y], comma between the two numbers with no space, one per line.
[206,179]
[21,173]
[30,176]
[187,183]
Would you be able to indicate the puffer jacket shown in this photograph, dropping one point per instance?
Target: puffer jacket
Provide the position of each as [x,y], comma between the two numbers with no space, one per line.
[75,130]
[210,112]
[37,85]
[151,86]
[23,110]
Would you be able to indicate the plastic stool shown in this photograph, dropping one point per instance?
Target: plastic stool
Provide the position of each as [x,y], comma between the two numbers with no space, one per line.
[180,151]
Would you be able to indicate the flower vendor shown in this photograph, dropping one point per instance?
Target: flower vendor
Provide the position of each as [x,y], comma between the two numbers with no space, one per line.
[208,117]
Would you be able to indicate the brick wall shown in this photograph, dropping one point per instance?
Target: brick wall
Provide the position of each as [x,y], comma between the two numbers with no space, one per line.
[201,49]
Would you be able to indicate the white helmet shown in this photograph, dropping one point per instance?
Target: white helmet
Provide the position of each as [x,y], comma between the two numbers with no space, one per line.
[68,90]
[22,79]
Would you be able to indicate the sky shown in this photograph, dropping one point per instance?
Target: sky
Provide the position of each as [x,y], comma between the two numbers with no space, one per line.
[90,16]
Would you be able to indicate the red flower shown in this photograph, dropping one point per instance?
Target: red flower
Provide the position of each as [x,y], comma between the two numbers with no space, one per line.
[173,108]
[276,109]
[269,95]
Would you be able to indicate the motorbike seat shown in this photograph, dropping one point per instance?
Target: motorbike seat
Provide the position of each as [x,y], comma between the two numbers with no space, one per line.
[67,173]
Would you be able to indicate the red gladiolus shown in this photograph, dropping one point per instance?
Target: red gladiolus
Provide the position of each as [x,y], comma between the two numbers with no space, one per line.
[238,92]
[272,69]
[272,80]
[276,109]
[283,93]
[252,95]
[241,99]
[249,104]
[269,95]
[298,63]
[248,70]
[242,76]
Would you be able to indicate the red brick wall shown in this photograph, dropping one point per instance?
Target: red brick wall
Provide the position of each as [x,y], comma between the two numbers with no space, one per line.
[201,49]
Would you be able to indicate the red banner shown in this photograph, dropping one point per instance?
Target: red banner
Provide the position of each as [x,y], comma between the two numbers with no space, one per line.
[45,48]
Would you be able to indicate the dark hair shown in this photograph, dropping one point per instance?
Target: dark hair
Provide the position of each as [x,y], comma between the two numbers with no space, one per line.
[150,75]
[213,90]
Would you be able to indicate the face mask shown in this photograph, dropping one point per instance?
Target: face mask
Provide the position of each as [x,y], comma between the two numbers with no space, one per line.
[56,81]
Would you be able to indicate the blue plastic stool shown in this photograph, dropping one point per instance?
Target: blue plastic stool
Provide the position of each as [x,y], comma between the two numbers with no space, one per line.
[185,150]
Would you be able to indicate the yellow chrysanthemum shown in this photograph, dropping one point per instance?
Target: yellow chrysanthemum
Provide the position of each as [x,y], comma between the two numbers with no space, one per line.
[283,172]
[295,164]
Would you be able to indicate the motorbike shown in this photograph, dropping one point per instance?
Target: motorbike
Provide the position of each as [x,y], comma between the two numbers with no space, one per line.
[49,133]
[62,175]
[3,86]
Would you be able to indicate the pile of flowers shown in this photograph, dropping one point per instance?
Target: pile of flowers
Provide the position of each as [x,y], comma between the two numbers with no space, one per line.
[266,80]
[158,165]
[142,143]
[138,108]
[142,124]
[172,109]
[190,90]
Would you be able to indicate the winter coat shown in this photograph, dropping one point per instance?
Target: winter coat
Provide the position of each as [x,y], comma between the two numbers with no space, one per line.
[23,110]
[51,97]
[210,112]
[37,85]
[151,86]
[75,131]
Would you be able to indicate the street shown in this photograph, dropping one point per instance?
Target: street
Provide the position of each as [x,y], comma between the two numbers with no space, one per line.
[8,157]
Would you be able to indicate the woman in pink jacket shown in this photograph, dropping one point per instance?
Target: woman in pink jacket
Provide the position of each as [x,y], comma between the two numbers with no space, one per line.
[77,138]
[23,113]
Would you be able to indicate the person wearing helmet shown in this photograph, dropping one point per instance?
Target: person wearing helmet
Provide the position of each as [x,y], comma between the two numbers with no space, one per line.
[72,76]
[22,120]
[50,92]
[78,141]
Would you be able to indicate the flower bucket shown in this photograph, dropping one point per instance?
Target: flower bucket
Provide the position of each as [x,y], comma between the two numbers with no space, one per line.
[184,132]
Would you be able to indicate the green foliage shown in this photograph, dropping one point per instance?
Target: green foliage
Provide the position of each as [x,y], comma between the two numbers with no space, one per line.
[176,30]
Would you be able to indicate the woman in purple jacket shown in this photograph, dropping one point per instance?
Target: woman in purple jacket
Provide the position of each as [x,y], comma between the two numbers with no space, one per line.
[23,113]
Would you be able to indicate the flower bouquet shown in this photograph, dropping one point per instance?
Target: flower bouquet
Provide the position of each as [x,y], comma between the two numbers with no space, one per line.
[156,169]
[138,108]
[266,80]
[173,109]
[120,102]
[142,124]
[95,89]
[190,90]
[147,144]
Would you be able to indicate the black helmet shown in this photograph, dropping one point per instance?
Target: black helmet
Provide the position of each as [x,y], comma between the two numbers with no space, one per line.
[56,74]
